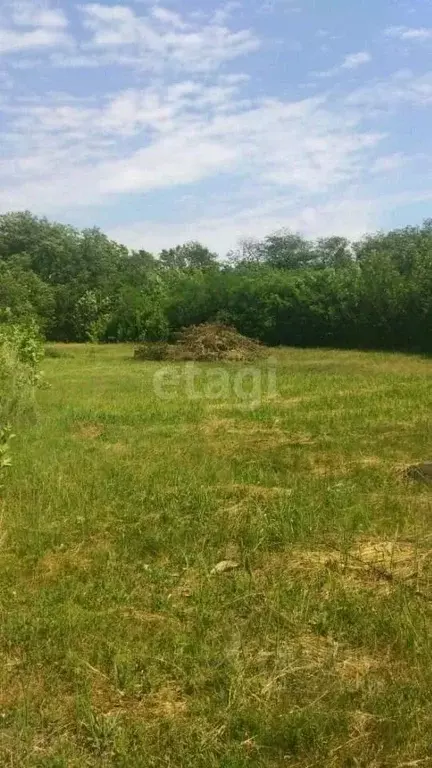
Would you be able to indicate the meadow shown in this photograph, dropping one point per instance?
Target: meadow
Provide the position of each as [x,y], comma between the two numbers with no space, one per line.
[120,647]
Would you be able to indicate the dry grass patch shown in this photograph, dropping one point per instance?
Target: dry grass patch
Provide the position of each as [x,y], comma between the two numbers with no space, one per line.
[167,703]
[228,435]
[247,490]
[215,426]
[242,429]
[377,564]
[399,560]
[30,691]
[55,564]
[89,431]
[327,464]
[307,654]
[11,688]
[189,582]
[119,449]
[350,665]
[354,666]
[368,461]
[313,650]
[288,402]
[265,491]
[74,560]
[244,497]
[144,617]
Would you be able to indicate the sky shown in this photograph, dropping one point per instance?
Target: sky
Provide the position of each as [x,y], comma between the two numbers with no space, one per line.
[214,121]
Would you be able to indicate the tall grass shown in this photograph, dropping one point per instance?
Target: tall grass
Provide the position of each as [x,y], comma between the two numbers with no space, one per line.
[118,645]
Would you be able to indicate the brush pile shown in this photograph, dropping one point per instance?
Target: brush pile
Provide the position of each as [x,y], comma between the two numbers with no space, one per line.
[209,342]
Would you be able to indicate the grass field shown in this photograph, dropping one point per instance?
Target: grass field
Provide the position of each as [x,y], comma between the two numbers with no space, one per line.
[118,645]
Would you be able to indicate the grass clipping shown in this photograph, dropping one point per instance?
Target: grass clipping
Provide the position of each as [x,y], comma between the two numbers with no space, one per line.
[207,342]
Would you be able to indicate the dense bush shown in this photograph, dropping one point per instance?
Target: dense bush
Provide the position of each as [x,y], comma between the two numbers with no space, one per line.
[152,350]
[20,353]
[81,286]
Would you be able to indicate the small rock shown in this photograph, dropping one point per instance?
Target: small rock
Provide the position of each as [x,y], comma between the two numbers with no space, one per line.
[421,472]
[225,565]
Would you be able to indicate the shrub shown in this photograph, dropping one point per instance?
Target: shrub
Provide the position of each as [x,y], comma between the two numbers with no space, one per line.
[21,351]
[152,351]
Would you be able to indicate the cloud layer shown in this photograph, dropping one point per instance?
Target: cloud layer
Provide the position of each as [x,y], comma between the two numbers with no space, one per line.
[28,26]
[190,115]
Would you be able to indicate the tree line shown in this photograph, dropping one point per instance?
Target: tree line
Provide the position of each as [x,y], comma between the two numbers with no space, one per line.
[78,285]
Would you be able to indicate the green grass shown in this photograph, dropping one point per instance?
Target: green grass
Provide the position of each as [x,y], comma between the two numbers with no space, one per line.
[119,648]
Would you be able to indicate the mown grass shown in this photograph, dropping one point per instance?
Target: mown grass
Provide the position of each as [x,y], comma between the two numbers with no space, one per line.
[120,648]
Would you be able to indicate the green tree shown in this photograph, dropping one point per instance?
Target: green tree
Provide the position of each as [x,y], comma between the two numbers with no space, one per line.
[288,250]
[23,295]
[139,313]
[53,249]
[190,255]
[91,316]
[333,252]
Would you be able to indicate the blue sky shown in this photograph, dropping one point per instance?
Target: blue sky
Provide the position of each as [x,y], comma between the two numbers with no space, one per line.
[163,122]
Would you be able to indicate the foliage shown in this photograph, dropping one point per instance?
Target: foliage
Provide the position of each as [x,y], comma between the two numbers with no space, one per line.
[139,312]
[191,255]
[91,316]
[21,351]
[23,294]
[152,350]
[20,354]
[283,289]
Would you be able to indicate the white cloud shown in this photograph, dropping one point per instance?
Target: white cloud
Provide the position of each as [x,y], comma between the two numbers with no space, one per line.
[225,12]
[278,161]
[272,6]
[402,87]
[409,33]
[168,17]
[66,153]
[388,163]
[31,26]
[162,38]
[11,41]
[25,13]
[355,60]
[350,217]
[351,61]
